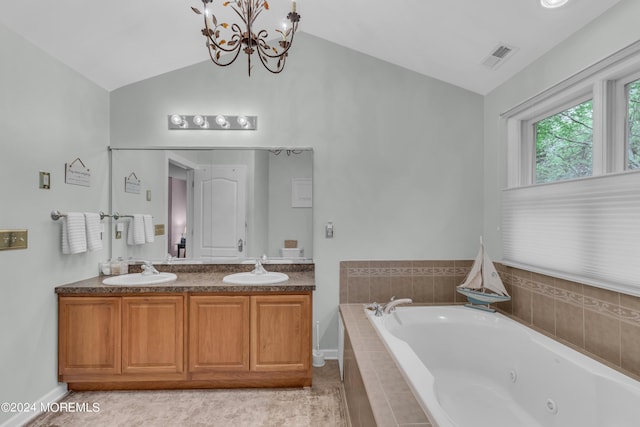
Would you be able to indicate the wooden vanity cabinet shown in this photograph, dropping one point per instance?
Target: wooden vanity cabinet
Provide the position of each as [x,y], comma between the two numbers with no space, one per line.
[261,340]
[151,341]
[112,338]
[218,333]
[89,336]
[280,333]
[153,336]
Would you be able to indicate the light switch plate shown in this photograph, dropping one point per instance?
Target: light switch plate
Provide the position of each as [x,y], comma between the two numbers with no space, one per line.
[328,230]
[45,180]
[13,239]
[159,229]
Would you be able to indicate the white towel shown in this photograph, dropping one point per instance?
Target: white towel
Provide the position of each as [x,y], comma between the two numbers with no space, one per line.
[74,233]
[135,234]
[148,228]
[94,231]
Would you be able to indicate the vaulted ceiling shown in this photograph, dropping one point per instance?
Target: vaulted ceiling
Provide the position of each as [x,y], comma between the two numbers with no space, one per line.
[118,42]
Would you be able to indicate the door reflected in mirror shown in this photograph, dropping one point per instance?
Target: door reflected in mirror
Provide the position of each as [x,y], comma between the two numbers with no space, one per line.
[216,205]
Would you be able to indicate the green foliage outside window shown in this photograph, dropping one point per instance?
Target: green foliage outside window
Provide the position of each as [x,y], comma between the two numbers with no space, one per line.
[633,125]
[564,144]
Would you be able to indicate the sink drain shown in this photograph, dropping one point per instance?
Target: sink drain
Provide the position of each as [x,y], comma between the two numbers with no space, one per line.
[513,376]
[552,406]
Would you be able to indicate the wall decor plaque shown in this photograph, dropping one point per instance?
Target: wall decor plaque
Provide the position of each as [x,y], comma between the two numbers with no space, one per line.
[77,173]
[132,184]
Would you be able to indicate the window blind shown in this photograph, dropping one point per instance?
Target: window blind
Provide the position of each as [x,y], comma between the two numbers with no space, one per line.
[585,230]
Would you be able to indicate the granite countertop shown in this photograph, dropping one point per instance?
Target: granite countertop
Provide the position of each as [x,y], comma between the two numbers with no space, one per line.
[195,281]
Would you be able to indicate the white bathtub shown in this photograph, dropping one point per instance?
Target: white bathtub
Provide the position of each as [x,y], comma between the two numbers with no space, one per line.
[469,368]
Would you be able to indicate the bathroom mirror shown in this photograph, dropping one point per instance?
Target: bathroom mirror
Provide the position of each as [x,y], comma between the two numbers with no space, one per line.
[211,205]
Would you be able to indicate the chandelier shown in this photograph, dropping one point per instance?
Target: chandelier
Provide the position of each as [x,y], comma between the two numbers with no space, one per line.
[225,41]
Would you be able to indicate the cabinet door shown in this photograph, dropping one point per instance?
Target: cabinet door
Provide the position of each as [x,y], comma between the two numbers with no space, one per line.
[218,333]
[88,335]
[152,335]
[280,332]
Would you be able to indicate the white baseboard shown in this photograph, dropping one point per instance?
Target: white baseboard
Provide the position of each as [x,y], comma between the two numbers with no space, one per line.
[22,418]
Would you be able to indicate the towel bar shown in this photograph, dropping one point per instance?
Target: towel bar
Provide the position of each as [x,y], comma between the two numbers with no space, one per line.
[56,215]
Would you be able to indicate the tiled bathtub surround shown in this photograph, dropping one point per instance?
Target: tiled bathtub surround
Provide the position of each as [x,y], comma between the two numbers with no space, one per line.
[423,281]
[600,323]
[375,390]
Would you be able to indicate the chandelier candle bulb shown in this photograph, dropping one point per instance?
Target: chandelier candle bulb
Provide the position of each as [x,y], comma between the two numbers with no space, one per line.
[293,6]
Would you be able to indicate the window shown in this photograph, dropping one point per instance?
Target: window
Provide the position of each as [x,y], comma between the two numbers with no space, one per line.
[633,124]
[564,144]
[572,201]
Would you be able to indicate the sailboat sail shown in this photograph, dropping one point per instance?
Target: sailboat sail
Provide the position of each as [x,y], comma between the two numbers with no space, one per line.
[483,285]
[483,275]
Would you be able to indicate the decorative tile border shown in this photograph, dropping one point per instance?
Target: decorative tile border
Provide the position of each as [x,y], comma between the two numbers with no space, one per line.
[408,271]
[590,303]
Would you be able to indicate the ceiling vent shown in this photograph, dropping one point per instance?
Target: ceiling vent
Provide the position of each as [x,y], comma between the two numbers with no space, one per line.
[498,56]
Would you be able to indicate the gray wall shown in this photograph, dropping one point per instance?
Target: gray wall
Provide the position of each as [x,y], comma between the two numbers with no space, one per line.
[49,115]
[397,156]
[613,31]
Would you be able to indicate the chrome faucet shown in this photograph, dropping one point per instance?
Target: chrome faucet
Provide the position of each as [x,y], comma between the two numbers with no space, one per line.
[391,305]
[376,308]
[148,268]
[259,269]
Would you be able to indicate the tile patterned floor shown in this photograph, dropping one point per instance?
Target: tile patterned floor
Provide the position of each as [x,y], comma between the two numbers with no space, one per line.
[319,406]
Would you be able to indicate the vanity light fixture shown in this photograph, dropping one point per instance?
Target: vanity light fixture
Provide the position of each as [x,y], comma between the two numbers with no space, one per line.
[212,122]
[552,4]
[225,40]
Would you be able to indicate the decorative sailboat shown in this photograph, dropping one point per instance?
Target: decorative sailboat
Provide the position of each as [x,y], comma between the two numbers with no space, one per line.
[483,285]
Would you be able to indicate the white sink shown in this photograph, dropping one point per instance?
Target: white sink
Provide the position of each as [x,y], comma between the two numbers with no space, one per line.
[268,278]
[139,279]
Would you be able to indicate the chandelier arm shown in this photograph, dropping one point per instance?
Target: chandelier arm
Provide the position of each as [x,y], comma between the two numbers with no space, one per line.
[290,43]
[222,64]
[278,68]
[263,48]
[235,47]
[236,38]
[235,30]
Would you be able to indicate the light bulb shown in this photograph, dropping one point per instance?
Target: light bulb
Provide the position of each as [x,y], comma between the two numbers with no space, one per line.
[177,120]
[201,121]
[222,121]
[285,25]
[243,121]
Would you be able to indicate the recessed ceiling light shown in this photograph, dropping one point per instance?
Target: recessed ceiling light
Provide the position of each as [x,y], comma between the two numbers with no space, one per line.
[550,4]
